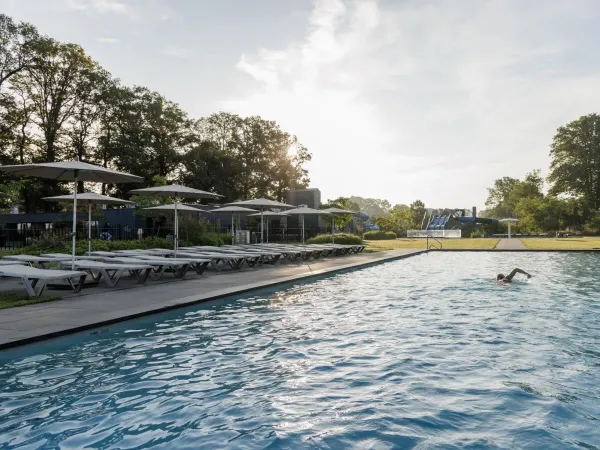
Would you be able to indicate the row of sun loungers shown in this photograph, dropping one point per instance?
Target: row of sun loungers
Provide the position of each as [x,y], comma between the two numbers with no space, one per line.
[36,273]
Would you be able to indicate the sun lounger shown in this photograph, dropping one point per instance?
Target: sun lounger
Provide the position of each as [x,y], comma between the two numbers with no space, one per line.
[11,263]
[110,273]
[198,264]
[35,279]
[40,262]
[159,265]
[66,256]
[217,260]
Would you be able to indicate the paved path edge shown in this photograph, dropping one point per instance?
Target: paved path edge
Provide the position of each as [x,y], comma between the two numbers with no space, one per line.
[214,295]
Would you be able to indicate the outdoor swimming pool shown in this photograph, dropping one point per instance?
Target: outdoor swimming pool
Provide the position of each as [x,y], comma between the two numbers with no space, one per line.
[426,353]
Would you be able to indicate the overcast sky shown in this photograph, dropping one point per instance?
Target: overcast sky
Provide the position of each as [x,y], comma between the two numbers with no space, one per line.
[396,99]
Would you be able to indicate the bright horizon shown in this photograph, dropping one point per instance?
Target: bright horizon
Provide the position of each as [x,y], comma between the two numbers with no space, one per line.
[396,100]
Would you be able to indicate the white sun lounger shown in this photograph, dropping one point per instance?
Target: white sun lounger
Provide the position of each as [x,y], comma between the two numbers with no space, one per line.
[11,263]
[198,264]
[159,265]
[217,260]
[110,273]
[66,256]
[39,262]
[35,279]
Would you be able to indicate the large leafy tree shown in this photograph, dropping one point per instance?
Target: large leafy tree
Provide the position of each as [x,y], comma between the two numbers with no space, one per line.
[506,193]
[56,103]
[575,160]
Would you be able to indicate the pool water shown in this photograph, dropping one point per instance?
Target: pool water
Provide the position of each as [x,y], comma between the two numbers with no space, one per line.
[425,353]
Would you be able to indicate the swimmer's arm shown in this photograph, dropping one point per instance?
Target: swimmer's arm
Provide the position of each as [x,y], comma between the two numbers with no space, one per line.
[516,271]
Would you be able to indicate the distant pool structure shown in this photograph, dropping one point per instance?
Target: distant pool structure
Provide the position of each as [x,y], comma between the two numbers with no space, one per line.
[426,352]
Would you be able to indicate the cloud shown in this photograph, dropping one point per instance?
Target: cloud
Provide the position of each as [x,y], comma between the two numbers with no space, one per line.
[176,51]
[98,6]
[108,40]
[430,100]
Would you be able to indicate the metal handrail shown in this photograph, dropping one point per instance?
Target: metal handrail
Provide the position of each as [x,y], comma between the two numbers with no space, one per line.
[432,245]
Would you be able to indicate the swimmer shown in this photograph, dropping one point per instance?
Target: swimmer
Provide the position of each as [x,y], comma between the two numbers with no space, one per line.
[508,278]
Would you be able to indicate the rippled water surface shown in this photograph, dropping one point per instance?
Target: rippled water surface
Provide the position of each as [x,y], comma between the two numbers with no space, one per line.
[425,353]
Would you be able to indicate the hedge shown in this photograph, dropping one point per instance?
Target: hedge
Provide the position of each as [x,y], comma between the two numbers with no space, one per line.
[48,246]
[379,235]
[343,238]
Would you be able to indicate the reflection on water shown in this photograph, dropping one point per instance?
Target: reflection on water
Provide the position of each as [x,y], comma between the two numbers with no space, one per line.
[422,353]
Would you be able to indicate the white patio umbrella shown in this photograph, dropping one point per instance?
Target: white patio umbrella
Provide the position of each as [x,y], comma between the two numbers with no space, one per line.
[306,211]
[261,204]
[336,211]
[509,222]
[91,199]
[267,214]
[176,192]
[72,171]
[235,211]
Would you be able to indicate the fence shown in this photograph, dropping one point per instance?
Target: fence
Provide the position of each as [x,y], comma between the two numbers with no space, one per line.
[434,233]
[11,238]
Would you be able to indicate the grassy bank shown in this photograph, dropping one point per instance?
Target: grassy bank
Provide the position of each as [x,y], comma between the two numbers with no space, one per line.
[14,299]
[572,243]
[420,243]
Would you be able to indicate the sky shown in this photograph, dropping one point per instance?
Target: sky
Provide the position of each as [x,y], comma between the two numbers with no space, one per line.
[396,99]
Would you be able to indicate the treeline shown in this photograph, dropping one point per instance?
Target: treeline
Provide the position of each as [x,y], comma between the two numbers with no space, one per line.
[572,199]
[56,104]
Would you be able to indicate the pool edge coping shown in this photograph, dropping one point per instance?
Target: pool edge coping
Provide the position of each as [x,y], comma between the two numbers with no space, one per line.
[212,296]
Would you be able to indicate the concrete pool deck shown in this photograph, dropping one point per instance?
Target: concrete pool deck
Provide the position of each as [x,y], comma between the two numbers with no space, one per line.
[100,306]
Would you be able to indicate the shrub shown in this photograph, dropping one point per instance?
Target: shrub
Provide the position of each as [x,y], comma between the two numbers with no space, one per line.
[379,235]
[343,238]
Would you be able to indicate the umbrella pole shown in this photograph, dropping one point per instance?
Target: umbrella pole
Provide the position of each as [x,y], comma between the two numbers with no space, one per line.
[262,224]
[333,228]
[233,228]
[176,227]
[267,230]
[89,228]
[302,229]
[74,232]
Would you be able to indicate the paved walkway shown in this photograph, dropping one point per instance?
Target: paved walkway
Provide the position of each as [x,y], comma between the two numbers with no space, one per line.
[99,306]
[510,244]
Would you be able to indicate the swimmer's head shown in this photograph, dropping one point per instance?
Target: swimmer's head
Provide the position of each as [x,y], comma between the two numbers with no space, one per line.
[499,277]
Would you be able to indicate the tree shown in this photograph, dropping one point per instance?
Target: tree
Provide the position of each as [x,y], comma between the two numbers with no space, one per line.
[374,207]
[208,168]
[575,161]
[506,193]
[418,213]
[340,219]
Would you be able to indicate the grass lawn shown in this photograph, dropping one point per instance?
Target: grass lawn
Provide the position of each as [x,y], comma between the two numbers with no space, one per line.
[466,243]
[13,299]
[572,243]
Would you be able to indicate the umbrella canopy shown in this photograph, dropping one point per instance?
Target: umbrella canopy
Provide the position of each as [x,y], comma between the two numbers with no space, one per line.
[509,221]
[336,211]
[89,198]
[270,214]
[233,209]
[174,207]
[306,211]
[72,171]
[175,191]
[262,204]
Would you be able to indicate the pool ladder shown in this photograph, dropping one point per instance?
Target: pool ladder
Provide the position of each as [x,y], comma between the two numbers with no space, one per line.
[433,246]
